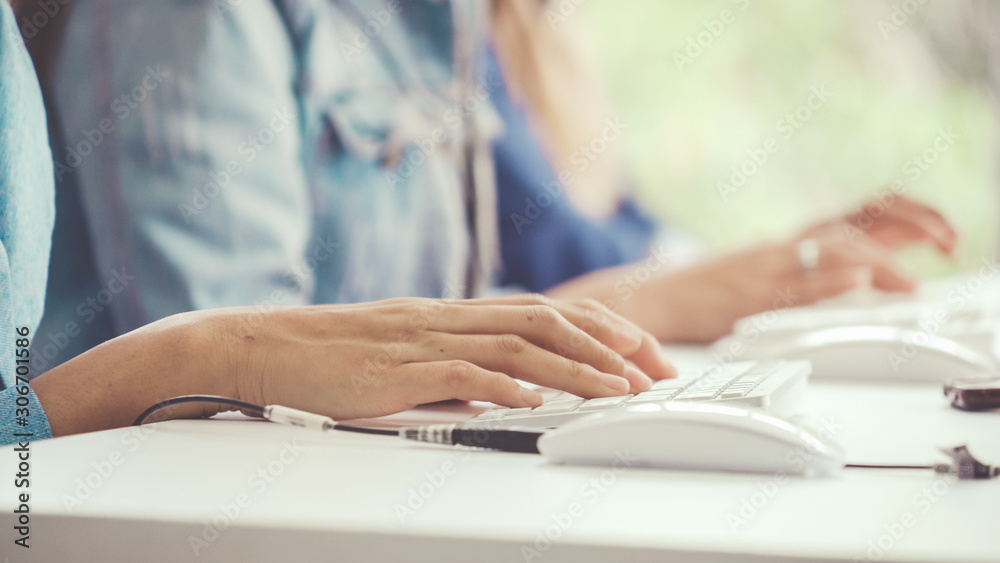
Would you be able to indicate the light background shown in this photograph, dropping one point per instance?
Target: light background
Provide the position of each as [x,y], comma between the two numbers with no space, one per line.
[688,126]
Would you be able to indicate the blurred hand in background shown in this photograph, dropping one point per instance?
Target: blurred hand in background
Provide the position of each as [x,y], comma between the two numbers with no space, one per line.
[700,303]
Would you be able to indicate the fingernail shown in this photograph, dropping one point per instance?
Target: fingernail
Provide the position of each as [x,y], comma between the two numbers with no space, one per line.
[667,367]
[530,398]
[617,384]
[639,380]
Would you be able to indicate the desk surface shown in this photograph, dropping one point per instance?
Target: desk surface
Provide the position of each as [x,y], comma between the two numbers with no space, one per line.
[175,490]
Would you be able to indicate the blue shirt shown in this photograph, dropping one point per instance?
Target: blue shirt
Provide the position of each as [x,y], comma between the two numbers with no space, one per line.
[544,240]
[284,152]
[26,216]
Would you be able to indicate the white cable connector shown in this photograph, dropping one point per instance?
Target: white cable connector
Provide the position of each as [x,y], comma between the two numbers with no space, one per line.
[295,417]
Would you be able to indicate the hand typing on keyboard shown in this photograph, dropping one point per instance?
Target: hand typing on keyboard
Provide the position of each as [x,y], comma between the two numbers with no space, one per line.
[700,303]
[396,354]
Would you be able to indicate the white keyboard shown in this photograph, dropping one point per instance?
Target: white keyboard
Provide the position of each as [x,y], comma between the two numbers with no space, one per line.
[775,386]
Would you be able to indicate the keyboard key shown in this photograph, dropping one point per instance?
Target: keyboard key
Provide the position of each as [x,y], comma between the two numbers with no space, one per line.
[493,414]
[553,395]
[732,393]
[693,396]
[670,383]
[558,407]
[659,393]
[729,371]
[517,412]
[603,403]
[646,398]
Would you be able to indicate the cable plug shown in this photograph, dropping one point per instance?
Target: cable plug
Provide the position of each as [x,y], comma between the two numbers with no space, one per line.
[296,417]
[965,466]
[508,440]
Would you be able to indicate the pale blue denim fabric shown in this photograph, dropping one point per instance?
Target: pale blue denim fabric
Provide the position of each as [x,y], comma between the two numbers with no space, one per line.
[26,215]
[240,152]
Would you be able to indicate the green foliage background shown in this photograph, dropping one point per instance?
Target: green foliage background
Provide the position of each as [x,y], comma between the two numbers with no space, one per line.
[688,126]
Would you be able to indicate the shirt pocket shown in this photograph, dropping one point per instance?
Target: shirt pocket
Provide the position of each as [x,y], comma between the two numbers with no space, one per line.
[378,124]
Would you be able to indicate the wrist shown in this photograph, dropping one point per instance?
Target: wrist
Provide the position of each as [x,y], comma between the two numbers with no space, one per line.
[655,307]
[197,348]
[109,386]
[228,341]
[646,302]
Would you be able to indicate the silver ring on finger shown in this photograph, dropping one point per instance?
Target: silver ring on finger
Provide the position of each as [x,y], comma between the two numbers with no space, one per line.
[808,253]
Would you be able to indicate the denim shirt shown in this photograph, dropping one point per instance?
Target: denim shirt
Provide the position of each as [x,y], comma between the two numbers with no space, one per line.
[26,216]
[265,153]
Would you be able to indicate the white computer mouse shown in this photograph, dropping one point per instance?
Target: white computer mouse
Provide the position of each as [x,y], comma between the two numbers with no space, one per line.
[692,436]
[878,353]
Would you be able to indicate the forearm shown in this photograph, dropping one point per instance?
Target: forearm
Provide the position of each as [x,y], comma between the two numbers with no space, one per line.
[631,292]
[112,384]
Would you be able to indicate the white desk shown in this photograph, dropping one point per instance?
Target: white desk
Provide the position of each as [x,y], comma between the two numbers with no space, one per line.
[337,498]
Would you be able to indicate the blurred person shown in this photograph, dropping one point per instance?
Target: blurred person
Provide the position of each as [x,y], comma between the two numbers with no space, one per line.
[317,358]
[553,105]
[288,153]
[213,154]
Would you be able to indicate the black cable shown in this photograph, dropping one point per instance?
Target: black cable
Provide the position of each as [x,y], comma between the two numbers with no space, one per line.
[248,408]
[366,430]
[863,466]
[516,441]
[449,434]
